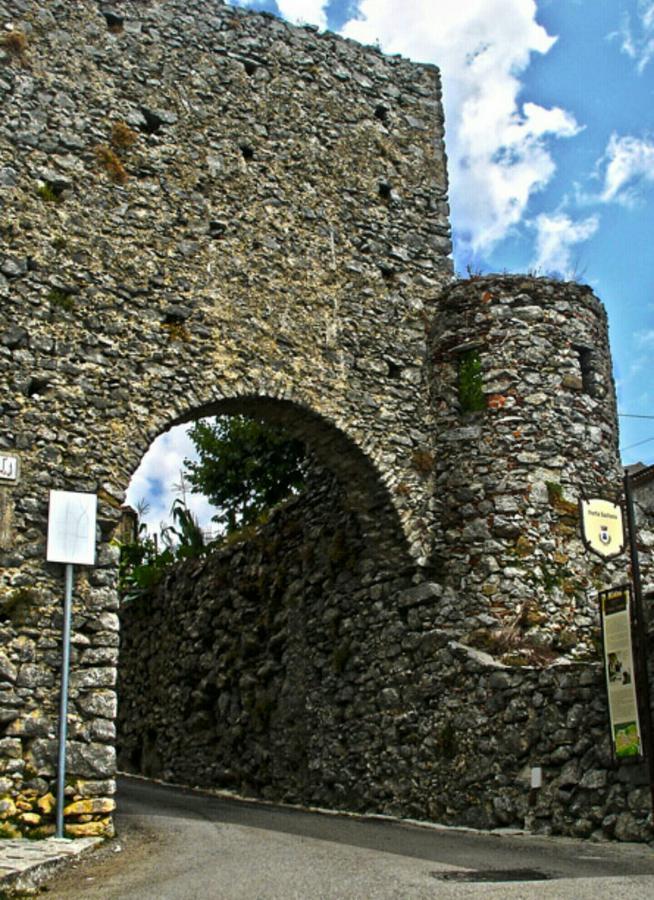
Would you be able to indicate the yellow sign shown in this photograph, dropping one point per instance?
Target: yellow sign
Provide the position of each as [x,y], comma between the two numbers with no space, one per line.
[602,528]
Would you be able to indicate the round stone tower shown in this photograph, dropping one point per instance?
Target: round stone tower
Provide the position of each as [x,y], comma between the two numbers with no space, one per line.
[525,422]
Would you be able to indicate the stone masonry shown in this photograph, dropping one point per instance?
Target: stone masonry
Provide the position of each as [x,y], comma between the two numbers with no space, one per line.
[210,211]
[298,667]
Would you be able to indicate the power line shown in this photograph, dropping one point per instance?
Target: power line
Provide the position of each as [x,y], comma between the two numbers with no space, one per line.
[631,446]
[634,416]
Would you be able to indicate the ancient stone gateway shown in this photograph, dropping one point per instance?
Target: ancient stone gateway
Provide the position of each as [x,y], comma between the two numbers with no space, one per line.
[210,211]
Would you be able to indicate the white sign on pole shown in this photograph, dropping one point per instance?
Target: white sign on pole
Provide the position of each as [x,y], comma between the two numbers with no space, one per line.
[71,528]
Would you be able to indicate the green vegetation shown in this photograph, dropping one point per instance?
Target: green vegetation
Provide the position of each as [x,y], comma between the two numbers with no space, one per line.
[143,563]
[245,467]
[49,193]
[61,299]
[471,394]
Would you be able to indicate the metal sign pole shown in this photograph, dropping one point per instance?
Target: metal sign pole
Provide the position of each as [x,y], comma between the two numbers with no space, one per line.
[641,632]
[63,702]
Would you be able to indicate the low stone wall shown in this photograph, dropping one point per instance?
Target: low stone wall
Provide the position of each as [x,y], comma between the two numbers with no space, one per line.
[294,668]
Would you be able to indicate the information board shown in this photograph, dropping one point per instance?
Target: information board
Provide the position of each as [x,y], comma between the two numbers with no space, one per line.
[615,609]
[71,528]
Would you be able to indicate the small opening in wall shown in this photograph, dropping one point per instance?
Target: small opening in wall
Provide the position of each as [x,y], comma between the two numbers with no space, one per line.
[217,229]
[470,382]
[152,121]
[114,23]
[384,190]
[587,367]
[250,67]
[37,386]
[381,113]
[248,152]
[394,370]
[387,272]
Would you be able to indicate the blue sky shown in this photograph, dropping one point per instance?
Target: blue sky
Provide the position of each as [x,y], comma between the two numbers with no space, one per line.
[550,138]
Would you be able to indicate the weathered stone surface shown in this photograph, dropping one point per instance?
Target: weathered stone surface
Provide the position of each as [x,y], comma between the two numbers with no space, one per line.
[282,251]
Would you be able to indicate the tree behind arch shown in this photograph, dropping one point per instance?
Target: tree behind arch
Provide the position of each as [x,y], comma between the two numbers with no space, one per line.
[245,466]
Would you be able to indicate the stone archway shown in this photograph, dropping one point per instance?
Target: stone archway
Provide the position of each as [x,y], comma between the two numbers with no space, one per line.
[254,667]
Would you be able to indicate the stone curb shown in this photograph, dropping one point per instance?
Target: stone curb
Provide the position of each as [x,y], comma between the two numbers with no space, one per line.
[24,865]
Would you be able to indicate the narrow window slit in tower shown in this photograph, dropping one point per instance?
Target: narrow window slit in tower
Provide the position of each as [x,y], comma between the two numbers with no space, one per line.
[470,388]
[586,365]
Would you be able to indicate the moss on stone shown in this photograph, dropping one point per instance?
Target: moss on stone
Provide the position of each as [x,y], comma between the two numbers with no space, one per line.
[470,386]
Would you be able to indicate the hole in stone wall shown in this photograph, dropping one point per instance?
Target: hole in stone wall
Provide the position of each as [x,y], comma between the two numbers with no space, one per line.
[384,190]
[381,113]
[587,367]
[470,382]
[394,370]
[217,229]
[247,151]
[37,386]
[51,191]
[387,272]
[153,122]
[250,67]
[114,23]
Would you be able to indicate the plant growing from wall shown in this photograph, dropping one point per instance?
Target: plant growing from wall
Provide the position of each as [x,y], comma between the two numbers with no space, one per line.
[143,563]
[471,394]
[111,163]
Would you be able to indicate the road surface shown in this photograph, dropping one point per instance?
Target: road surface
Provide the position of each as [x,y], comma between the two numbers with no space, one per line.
[178,844]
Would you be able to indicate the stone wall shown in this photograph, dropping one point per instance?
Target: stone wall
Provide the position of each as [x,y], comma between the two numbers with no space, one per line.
[296,668]
[211,211]
[205,211]
[259,667]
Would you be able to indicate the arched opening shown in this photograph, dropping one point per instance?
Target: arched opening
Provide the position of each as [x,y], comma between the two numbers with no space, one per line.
[274,666]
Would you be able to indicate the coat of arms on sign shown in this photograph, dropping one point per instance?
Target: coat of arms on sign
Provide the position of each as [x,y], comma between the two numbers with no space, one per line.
[602,527]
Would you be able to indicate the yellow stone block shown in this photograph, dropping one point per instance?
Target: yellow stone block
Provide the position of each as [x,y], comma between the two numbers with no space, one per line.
[46,804]
[103,828]
[94,806]
[30,818]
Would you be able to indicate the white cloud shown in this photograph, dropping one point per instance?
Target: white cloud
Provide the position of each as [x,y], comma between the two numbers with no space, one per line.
[497,147]
[556,236]
[638,39]
[645,338]
[159,473]
[628,161]
[311,12]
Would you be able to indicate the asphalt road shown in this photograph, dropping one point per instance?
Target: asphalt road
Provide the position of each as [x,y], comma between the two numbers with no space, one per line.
[177,844]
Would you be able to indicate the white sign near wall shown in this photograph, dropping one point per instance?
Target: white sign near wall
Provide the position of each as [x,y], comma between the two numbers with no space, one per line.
[71,528]
[8,468]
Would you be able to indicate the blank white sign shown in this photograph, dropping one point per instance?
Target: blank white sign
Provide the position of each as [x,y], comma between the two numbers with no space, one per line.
[71,528]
